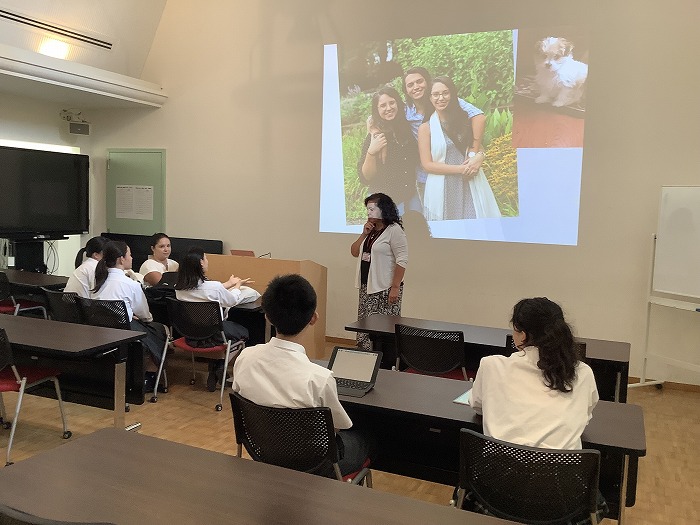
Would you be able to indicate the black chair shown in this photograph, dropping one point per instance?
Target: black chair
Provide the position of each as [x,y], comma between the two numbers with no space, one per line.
[300,439]
[528,484]
[201,322]
[113,314]
[17,380]
[63,306]
[11,516]
[12,306]
[431,352]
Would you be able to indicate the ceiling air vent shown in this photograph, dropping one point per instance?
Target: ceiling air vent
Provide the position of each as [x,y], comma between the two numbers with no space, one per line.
[54,29]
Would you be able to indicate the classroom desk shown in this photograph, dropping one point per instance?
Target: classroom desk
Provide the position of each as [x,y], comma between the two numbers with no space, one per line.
[33,281]
[608,359]
[417,426]
[41,339]
[125,477]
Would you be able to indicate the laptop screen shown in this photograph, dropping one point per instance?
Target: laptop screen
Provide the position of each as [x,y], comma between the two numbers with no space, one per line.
[354,364]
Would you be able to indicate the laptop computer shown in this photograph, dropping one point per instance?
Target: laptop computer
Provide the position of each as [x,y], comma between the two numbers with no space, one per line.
[355,370]
[168,279]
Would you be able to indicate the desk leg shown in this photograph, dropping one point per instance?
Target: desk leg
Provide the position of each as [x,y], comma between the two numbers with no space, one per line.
[120,398]
[618,384]
[623,490]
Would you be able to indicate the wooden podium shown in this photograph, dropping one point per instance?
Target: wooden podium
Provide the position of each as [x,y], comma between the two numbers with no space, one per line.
[221,267]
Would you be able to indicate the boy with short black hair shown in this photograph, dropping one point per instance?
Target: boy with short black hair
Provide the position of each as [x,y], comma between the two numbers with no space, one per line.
[279,374]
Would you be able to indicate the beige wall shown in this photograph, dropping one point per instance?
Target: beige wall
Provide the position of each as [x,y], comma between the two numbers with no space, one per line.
[242,134]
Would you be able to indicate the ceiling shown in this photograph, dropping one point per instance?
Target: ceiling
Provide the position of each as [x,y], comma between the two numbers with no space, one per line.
[128,25]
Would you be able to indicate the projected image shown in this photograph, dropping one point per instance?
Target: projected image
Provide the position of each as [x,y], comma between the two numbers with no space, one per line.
[432,122]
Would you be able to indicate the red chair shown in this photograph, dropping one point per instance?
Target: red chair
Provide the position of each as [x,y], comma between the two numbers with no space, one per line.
[9,305]
[431,352]
[201,321]
[13,379]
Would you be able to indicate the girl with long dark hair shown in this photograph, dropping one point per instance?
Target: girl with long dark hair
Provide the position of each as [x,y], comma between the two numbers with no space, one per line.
[82,280]
[389,155]
[193,285]
[112,284]
[455,188]
[158,262]
[542,395]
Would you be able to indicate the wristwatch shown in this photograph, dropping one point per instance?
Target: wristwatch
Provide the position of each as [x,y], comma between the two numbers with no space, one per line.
[472,154]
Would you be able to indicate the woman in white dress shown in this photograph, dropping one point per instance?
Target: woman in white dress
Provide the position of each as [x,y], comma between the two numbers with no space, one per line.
[455,188]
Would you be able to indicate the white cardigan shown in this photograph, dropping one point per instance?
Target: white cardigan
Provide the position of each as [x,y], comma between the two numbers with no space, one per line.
[388,250]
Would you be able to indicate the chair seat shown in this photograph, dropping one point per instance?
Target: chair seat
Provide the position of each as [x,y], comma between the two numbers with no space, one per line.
[452,374]
[8,382]
[6,307]
[352,475]
[182,344]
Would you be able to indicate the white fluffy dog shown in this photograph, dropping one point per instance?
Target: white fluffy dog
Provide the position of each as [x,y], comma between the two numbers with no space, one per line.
[559,77]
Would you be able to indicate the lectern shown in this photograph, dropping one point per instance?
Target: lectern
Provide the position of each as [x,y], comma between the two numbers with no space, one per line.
[221,267]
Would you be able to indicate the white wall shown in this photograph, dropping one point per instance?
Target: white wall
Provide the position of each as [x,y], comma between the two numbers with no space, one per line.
[242,134]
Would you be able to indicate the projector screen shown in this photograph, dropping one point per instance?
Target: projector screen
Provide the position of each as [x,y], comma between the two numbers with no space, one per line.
[529,84]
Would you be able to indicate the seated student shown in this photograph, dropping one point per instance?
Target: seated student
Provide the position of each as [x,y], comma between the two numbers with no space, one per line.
[158,263]
[112,284]
[193,285]
[542,395]
[82,280]
[278,373]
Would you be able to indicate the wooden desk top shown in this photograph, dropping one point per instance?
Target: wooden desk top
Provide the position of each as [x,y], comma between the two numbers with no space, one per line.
[125,477]
[48,337]
[35,280]
[384,325]
[614,425]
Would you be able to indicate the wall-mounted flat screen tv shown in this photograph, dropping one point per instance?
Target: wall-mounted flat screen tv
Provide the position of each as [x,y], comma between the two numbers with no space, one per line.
[43,194]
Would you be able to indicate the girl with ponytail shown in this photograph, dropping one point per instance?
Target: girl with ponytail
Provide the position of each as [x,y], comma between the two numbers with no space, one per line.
[83,278]
[111,283]
[542,395]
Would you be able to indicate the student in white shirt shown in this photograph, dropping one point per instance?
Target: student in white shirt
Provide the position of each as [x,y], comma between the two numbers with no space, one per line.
[82,280]
[158,263]
[279,374]
[112,284]
[542,395]
[193,285]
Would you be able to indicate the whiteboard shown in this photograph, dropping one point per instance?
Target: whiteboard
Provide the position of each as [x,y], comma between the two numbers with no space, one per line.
[677,255]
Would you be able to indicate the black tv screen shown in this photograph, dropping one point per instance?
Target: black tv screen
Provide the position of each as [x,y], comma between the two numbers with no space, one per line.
[43,193]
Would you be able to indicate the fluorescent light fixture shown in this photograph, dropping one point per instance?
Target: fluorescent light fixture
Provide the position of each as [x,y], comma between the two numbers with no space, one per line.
[54,48]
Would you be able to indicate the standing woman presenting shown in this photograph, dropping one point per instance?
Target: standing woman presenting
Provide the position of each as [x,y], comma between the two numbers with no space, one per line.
[382,253]
[158,263]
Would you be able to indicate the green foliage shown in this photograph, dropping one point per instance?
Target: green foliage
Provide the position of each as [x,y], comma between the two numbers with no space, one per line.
[498,123]
[355,191]
[480,64]
[355,108]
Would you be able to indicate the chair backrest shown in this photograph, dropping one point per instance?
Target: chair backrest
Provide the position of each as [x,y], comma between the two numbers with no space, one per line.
[194,319]
[63,306]
[430,351]
[10,516]
[5,350]
[107,313]
[301,439]
[527,484]
[5,290]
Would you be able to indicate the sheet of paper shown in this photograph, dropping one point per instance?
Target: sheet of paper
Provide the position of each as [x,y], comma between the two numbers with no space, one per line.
[464,398]
[134,202]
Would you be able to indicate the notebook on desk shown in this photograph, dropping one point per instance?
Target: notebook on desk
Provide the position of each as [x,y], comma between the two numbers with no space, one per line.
[355,370]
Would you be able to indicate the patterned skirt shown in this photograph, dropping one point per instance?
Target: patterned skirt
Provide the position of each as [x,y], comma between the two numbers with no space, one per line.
[376,303]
